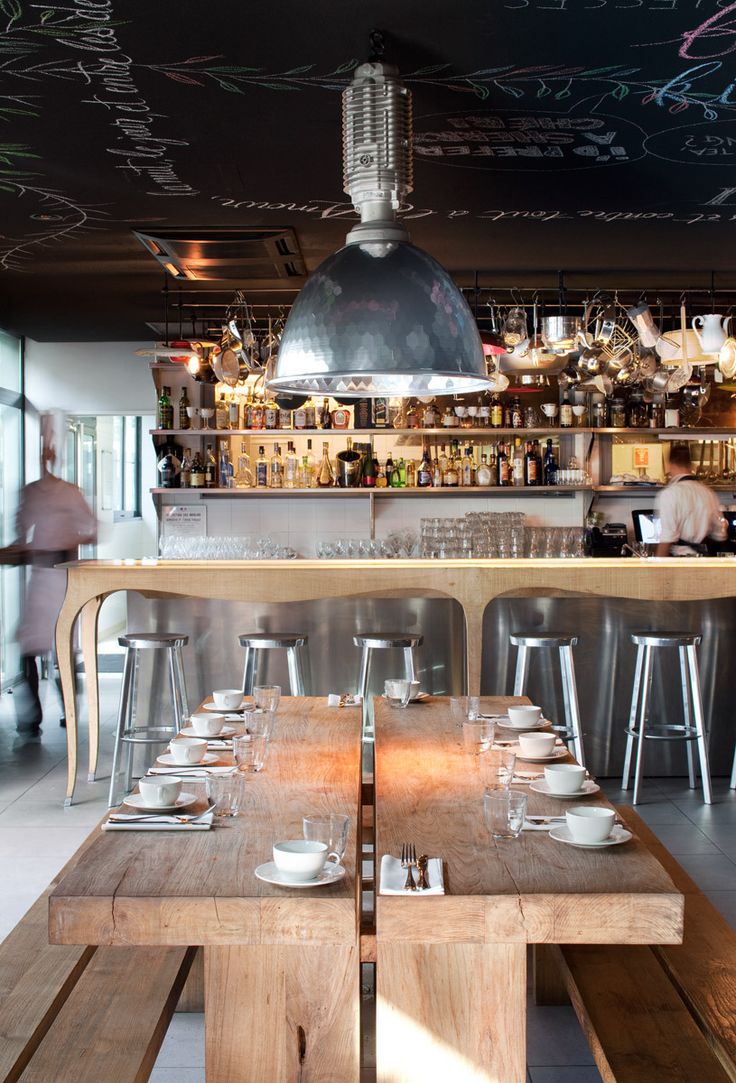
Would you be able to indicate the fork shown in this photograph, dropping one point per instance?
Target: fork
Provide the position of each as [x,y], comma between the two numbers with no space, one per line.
[408,862]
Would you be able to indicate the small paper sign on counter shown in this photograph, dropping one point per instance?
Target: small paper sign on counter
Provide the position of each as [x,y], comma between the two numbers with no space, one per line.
[184,520]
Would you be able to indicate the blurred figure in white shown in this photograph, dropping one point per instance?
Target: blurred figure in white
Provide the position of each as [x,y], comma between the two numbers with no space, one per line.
[53,520]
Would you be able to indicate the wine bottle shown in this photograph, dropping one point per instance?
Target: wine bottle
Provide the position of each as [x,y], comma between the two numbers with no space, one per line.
[325,475]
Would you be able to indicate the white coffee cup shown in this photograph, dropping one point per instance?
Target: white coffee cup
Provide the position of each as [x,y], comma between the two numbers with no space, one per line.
[227,699]
[537,744]
[550,409]
[160,791]
[564,777]
[301,859]
[188,749]
[590,823]
[207,725]
[524,715]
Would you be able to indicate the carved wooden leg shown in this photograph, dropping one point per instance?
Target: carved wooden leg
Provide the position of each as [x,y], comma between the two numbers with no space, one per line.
[282,1012]
[90,617]
[451,1011]
[65,657]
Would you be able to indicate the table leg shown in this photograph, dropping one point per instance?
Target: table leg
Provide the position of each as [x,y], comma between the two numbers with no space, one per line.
[282,1012]
[473,611]
[65,658]
[90,616]
[451,1011]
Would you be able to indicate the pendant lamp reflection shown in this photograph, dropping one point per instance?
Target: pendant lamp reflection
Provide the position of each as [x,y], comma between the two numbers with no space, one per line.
[379,317]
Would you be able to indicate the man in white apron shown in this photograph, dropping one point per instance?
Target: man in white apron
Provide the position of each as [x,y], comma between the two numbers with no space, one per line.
[53,520]
[688,511]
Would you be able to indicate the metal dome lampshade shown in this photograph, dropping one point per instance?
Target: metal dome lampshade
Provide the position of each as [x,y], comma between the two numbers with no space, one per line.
[379,317]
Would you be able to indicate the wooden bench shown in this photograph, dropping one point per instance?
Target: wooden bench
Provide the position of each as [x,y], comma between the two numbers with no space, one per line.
[659,1014]
[83,1014]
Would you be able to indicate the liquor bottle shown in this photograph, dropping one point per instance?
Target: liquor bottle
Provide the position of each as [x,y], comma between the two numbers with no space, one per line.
[566,416]
[225,478]
[444,463]
[261,469]
[325,417]
[448,419]
[381,480]
[411,474]
[271,415]
[197,478]
[362,414]
[530,465]
[291,468]
[184,419]
[243,477]
[370,472]
[483,474]
[210,469]
[185,478]
[451,476]
[550,465]
[300,418]
[380,413]
[310,415]
[233,413]
[325,475]
[165,410]
[310,480]
[221,413]
[517,418]
[496,413]
[168,469]
[256,416]
[276,469]
[457,461]
[389,470]
[436,471]
[540,466]
[429,419]
[341,418]
[248,413]
[504,472]
[424,476]
[517,464]
[467,469]
[285,418]
[396,475]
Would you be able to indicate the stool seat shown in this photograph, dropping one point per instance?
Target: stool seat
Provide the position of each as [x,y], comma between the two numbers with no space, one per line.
[665,639]
[691,730]
[386,640]
[272,640]
[152,640]
[546,640]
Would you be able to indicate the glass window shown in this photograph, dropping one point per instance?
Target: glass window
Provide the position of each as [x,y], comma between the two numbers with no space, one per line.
[11,480]
[11,362]
[126,457]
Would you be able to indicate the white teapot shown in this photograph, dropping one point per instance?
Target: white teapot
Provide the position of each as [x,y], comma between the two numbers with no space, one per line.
[711,331]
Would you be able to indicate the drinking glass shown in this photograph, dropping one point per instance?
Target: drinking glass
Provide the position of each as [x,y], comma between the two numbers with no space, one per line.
[477,735]
[463,708]
[331,828]
[260,723]
[206,412]
[250,752]
[224,792]
[504,811]
[267,696]
[497,767]
[398,692]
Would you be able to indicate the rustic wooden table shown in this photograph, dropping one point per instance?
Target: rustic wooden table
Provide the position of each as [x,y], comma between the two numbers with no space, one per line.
[282,971]
[472,583]
[451,970]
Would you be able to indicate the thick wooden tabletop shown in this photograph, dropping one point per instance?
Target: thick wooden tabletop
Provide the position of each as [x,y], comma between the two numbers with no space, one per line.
[199,887]
[533,889]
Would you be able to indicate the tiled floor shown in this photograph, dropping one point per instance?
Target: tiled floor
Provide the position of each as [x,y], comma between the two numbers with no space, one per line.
[37,835]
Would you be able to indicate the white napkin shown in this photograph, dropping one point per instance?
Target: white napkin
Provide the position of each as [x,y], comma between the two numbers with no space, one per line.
[528,826]
[393,877]
[192,772]
[333,700]
[160,823]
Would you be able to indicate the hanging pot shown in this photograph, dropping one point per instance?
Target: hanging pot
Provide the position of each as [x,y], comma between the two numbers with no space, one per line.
[291,402]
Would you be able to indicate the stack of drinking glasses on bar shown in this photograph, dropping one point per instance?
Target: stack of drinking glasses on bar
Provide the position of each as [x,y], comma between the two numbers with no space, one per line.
[225,547]
[478,534]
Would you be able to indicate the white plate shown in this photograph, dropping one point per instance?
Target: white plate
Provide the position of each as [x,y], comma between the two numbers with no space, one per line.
[541,786]
[558,754]
[414,699]
[229,710]
[226,731]
[168,760]
[543,724]
[617,836]
[271,875]
[184,800]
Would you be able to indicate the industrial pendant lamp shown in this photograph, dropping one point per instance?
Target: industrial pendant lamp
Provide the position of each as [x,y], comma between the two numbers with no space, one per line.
[379,317]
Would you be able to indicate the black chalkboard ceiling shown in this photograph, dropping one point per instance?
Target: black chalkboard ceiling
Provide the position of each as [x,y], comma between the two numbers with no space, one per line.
[594,136]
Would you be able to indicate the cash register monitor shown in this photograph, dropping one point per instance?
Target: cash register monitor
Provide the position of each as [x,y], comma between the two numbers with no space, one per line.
[646,526]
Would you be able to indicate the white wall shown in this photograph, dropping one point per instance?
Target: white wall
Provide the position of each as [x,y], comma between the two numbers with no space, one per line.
[88,377]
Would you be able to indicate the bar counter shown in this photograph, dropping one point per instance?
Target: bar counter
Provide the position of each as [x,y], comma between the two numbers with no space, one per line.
[473,584]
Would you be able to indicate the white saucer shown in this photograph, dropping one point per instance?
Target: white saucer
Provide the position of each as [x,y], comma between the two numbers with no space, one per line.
[184,800]
[543,724]
[229,710]
[226,731]
[271,875]
[541,786]
[168,760]
[617,836]
[557,754]
[414,699]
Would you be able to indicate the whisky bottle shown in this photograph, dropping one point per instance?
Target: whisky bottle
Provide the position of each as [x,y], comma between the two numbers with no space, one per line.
[184,419]
[233,413]
[467,469]
[325,475]
[210,469]
[271,415]
[566,416]
[221,421]
[165,410]
[197,477]
[310,415]
[504,473]
[483,473]
[325,417]
[185,478]
[424,476]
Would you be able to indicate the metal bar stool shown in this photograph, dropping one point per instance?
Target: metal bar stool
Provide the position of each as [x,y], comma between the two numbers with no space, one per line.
[571,731]
[376,641]
[128,734]
[293,643]
[693,727]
